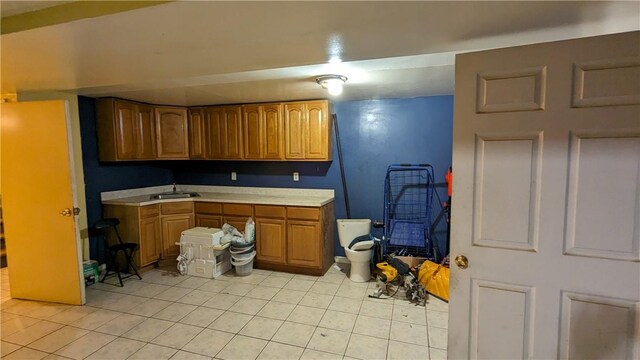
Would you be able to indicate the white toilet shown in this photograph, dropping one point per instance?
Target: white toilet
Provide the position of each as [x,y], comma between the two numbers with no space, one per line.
[359,254]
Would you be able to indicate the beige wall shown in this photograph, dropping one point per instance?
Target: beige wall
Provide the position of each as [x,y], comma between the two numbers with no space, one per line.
[76,156]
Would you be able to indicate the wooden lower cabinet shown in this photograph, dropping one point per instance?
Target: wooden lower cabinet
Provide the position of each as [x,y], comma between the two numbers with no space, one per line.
[295,239]
[272,244]
[210,221]
[172,228]
[140,225]
[288,238]
[150,244]
[303,243]
[155,228]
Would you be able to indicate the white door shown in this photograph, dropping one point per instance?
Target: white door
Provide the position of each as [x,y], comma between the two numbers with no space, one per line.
[546,161]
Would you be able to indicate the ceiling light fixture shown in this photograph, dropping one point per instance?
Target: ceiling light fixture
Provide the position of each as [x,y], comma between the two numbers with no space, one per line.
[333,83]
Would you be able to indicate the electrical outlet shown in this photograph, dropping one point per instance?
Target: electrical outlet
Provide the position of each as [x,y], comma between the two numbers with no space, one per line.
[234,176]
[296,176]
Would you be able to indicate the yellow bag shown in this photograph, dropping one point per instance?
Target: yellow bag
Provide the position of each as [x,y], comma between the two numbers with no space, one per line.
[435,279]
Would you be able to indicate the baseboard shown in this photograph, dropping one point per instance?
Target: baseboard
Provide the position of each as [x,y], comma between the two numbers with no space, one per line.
[341,260]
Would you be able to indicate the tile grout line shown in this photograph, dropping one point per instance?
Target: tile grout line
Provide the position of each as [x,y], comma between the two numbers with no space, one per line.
[332,297]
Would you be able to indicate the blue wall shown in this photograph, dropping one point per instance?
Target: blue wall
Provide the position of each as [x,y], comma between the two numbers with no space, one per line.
[99,176]
[374,134]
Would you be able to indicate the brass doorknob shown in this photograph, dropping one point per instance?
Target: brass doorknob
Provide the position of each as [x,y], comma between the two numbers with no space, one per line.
[462,261]
[66,212]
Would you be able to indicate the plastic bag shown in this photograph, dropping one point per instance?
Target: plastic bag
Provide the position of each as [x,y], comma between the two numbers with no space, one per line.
[435,278]
[250,230]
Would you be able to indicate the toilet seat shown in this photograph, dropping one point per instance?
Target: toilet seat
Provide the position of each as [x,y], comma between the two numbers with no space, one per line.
[361,246]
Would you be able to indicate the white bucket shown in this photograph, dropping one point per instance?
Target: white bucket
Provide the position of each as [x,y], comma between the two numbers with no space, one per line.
[244,265]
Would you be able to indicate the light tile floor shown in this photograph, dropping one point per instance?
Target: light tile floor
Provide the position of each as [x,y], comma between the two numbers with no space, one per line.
[266,315]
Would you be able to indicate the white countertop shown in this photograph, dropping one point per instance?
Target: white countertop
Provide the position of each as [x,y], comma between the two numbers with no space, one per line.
[227,194]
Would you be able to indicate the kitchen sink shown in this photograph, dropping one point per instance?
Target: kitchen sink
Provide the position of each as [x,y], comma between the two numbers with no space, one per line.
[174,195]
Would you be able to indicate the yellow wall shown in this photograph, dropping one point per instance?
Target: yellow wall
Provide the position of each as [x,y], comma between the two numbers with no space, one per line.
[77,155]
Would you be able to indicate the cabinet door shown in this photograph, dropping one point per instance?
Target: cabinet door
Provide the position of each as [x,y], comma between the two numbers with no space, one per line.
[316,131]
[210,221]
[171,133]
[293,131]
[196,134]
[233,127]
[270,240]
[272,131]
[146,132]
[252,130]
[150,240]
[303,243]
[172,228]
[126,133]
[215,127]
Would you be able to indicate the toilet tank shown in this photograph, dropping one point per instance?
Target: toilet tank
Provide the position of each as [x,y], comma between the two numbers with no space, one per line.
[349,229]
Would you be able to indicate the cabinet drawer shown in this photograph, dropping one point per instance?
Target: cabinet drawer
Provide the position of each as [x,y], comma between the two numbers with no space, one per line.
[176,208]
[270,211]
[303,213]
[238,209]
[149,211]
[208,208]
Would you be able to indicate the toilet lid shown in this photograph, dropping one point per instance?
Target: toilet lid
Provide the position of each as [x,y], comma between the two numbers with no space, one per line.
[361,245]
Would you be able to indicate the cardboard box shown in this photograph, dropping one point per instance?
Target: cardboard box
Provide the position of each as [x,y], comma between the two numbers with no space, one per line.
[411,260]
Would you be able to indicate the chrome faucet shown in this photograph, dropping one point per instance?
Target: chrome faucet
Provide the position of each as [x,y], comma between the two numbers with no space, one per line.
[174,187]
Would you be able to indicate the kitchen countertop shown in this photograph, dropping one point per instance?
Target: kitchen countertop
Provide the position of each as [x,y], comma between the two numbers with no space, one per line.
[227,194]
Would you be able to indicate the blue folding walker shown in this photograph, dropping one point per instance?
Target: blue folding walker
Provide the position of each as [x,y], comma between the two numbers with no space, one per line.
[408,197]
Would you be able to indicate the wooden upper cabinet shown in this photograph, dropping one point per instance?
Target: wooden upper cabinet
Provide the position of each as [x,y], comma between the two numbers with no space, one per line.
[224,132]
[126,130]
[172,133]
[233,127]
[295,131]
[272,131]
[215,130]
[307,131]
[294,138]
[262,131]
[252,129]
[197,133]
[145,132]
[316,131]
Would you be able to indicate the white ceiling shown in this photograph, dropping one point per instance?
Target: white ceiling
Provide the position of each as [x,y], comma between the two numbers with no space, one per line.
[201,52]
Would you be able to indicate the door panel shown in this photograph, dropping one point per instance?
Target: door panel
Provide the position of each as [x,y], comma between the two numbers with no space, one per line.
[270,240]
[294,138]
[210,221]
[172,133]
[252,128]
[216,130]
[126,124]
[150,240]
[316,131]
[37,184]
[172,228]
[272,130]
[146,133]
[196,134]
[546,156]
[233,127]
[303,243]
